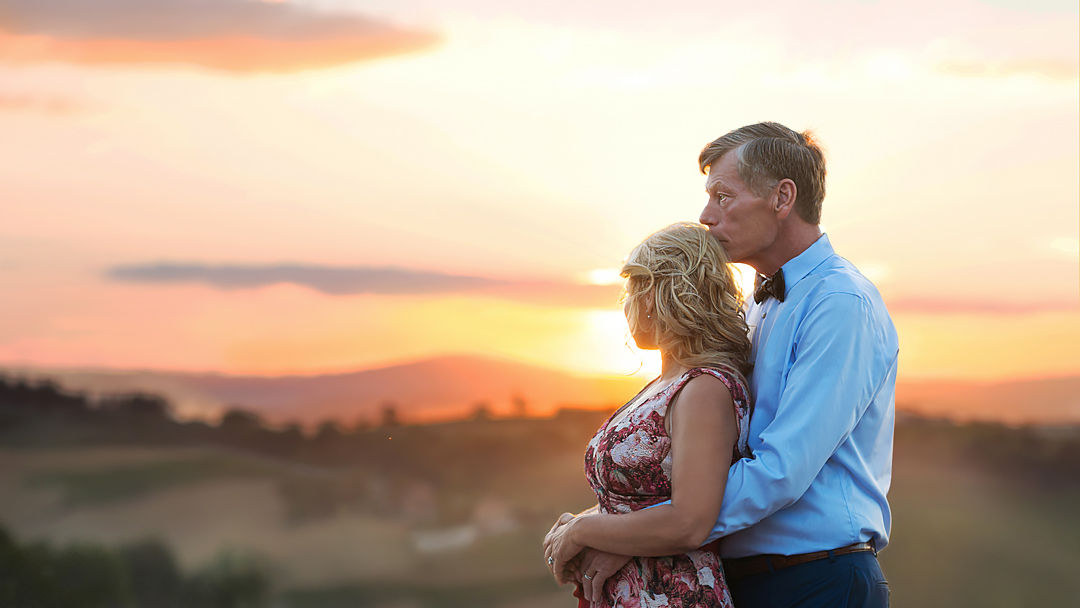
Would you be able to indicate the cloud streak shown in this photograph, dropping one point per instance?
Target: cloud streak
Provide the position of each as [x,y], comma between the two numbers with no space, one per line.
[942,306]
[18,102]
[357,280]
[339,281]
[234,35]
[1052,69]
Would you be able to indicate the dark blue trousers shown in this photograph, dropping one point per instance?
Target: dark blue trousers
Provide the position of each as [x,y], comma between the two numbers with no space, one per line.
[854,580]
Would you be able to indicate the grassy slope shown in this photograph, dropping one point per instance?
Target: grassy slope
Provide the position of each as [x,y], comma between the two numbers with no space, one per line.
[966,532]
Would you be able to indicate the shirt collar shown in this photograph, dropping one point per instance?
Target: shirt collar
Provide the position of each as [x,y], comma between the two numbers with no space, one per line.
[799,266]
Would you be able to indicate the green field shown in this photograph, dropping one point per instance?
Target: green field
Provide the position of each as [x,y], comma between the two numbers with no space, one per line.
[453,514]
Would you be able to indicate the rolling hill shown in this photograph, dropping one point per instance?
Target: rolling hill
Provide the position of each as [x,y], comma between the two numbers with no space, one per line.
[447,387]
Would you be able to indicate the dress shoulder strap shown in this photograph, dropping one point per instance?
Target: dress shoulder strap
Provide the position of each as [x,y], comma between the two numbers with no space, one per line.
[740,395]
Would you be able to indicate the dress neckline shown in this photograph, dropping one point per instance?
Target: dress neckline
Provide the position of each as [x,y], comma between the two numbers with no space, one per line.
[626,407]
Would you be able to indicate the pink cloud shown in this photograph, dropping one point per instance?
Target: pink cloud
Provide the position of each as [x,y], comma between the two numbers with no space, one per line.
[231,35]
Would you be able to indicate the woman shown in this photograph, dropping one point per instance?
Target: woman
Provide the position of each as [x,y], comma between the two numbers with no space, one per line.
[674,441]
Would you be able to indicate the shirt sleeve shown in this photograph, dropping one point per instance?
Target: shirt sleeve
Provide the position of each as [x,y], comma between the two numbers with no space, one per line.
[838,366]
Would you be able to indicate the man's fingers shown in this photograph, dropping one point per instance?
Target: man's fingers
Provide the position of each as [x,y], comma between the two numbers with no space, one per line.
[600,566]
[569,573]
[594,588]
[561,565]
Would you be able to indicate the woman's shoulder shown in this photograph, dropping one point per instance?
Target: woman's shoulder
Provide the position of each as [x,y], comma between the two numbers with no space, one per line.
[729,376]
[718,378]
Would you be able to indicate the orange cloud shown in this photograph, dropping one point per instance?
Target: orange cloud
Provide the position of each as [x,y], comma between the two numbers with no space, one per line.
[238,54]
[229,35]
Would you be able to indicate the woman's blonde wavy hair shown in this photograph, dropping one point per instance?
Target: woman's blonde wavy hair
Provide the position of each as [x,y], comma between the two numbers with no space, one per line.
[697,312]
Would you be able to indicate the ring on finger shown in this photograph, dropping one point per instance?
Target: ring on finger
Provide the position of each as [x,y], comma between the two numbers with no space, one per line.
[589,577]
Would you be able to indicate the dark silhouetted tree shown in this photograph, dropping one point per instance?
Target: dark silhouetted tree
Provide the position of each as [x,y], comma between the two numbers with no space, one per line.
[328,430]
[138,408]
[520,406]
[390,416]
[239,420]
[481,411]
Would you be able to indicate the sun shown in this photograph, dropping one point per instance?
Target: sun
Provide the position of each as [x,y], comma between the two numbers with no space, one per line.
[611,341]
[606,340]
[603,276]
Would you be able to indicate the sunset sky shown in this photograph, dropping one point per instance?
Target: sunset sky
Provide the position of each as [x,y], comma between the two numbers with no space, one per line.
[316,186]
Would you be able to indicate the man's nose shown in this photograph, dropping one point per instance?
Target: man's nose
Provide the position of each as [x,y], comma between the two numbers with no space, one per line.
[708,216]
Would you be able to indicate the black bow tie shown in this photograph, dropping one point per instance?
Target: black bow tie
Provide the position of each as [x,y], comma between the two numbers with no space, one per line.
[773,286]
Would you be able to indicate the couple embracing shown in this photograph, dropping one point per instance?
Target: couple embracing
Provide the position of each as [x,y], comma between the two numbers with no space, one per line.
[753,471]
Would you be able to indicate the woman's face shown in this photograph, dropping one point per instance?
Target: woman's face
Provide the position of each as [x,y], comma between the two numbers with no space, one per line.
[641,323]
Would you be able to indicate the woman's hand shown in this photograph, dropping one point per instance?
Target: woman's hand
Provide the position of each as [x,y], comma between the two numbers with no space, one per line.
[561,521]
[560,548]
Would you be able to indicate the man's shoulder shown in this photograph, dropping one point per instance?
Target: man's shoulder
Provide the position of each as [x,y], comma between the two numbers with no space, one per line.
[837,275]
[840,293]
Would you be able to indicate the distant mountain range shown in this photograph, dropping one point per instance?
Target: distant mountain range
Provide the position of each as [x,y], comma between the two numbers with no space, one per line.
[1036,401]
[453,386]
[443,387]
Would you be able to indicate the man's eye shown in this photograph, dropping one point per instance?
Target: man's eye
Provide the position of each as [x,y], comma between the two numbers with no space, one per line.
[722,198]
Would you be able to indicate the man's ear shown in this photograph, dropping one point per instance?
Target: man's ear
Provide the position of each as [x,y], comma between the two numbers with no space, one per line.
[786,193]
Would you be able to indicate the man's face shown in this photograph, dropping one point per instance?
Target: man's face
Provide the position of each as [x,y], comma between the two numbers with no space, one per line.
[745,224]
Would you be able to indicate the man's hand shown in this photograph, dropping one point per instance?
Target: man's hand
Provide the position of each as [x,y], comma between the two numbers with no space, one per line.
[596,567]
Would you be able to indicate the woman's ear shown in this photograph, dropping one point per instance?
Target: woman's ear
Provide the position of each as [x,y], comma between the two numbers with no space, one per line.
[648,305]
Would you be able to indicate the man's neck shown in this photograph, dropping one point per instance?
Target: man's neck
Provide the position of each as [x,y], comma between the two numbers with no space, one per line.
[791,242]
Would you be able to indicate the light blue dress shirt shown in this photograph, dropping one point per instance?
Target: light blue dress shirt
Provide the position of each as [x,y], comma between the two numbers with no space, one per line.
[821,431]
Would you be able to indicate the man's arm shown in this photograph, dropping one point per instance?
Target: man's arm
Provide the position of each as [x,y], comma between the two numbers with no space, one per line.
[840,363]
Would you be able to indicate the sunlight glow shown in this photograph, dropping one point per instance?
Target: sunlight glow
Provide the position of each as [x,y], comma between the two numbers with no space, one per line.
[604,276]
[1068,246]
[875,271]
[744,278]
[621,355]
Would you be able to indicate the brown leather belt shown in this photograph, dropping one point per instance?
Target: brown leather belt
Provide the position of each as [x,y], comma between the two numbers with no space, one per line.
[742,567]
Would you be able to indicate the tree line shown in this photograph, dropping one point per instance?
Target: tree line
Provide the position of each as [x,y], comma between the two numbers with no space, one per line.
[137,575]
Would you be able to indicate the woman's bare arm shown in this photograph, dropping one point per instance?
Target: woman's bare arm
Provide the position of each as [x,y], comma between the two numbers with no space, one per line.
[703,434]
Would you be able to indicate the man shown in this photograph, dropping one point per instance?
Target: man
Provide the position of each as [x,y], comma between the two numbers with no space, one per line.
[801,521]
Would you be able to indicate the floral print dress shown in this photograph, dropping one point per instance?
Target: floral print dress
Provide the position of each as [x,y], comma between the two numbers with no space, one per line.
[628,465]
